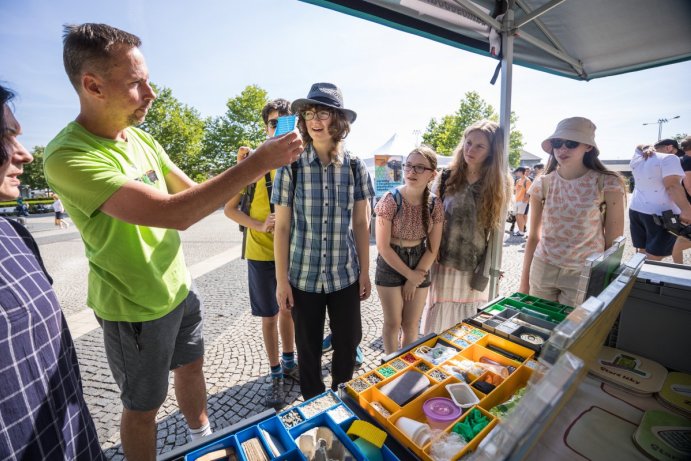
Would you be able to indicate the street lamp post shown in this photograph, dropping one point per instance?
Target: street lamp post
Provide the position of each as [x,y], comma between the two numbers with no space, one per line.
[660,122]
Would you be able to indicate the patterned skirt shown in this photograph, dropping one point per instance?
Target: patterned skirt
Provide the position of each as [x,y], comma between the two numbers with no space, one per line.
[450,299]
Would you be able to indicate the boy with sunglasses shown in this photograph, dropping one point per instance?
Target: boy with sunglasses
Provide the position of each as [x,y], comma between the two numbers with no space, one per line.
[259,222]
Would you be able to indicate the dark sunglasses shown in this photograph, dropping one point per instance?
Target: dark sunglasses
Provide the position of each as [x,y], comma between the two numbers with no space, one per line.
[557,143]
[273,123]
[418,169]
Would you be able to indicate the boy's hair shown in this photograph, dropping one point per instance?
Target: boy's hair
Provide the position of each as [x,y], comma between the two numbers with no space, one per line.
[5,97]
[90,46]
[520,169]
[282,106]
[538,166]
[495,183]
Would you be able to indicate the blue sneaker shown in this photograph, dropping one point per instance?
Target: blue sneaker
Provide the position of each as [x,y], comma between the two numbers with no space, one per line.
[326,344]
[359,357]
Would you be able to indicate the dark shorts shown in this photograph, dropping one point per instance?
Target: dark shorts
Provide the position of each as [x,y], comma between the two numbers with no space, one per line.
[649,236]
[387,276]
[59,214]
[141,354]
[262,283]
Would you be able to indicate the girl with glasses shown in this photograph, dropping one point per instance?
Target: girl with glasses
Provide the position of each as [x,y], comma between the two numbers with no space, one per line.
[408,232]
[474,190]
[577,210]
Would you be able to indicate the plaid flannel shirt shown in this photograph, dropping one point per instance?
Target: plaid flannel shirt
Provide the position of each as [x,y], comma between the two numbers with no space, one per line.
[43,414]
[322,253]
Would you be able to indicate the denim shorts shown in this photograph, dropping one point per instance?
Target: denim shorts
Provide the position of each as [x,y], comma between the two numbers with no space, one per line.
[387,276]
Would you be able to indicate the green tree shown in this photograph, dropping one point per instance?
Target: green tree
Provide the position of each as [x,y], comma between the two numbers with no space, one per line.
[33,172]
[240,125]
[445,134]
[179,128]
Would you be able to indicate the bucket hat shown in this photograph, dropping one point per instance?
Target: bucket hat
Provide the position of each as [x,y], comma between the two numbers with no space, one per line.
[324,94]
[573,129]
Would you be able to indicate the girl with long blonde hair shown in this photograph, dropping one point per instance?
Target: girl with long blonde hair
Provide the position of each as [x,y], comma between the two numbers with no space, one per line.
[475,190]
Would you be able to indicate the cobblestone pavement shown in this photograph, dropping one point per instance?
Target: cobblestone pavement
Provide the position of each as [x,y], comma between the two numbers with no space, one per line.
[236,367]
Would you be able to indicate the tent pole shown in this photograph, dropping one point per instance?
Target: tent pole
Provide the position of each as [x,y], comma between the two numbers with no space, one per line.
[505,122]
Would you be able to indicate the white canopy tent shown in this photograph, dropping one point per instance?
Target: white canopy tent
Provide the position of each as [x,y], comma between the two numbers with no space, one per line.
[580,39]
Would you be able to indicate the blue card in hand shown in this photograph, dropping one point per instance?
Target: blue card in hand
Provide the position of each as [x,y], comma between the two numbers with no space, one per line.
[286,124]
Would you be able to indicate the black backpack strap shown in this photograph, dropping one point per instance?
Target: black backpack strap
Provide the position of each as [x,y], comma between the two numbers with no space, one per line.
[269,188]
[431,202]
[294,176]
[398,198]
[442,184]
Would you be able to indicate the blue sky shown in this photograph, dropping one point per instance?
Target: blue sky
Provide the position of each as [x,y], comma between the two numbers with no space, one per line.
[208,50]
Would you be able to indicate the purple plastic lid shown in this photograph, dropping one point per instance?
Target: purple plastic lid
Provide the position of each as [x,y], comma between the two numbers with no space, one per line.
[441,408]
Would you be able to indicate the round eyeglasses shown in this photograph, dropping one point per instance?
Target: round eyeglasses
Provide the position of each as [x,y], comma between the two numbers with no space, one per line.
[320,114]
[419,169]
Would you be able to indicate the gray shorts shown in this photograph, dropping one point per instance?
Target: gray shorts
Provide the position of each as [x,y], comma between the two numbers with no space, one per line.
[141,354]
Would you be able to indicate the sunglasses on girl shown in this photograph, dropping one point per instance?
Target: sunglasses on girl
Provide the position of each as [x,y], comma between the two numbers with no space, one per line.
[557,143]
[273,123]
[419,169]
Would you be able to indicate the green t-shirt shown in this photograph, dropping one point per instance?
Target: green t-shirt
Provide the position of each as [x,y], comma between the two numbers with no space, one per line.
[136,273]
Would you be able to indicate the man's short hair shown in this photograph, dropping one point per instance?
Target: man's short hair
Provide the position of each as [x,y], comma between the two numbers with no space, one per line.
[685,144]
[667,142]
[520,169]
[282,106]
[538,166]
[90,46]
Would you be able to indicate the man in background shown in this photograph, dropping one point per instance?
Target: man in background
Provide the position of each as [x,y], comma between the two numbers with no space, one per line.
[521,196]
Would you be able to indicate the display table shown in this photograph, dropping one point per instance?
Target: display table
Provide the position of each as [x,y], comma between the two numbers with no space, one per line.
[562,414]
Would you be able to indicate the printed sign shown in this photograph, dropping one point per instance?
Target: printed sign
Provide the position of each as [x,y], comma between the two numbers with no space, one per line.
[388,173]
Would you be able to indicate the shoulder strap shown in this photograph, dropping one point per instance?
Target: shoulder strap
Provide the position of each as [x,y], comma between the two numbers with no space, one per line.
[431,201]
[545,188]
[294,176]
[398,198]
[601,186]
[442,184]
[269,188]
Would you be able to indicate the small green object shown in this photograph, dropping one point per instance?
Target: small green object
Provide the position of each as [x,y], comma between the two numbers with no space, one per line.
[471,425]
[386,371]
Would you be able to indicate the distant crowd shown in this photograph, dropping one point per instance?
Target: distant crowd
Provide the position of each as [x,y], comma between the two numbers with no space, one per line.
[304,202]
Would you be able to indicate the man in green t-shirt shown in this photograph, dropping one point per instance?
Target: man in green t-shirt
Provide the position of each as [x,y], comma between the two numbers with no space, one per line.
[261,269]
[128,200]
